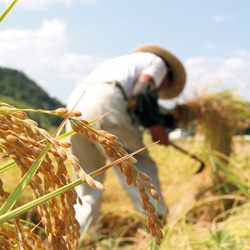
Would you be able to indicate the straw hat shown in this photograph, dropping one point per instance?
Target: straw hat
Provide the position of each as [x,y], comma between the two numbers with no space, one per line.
[179,73]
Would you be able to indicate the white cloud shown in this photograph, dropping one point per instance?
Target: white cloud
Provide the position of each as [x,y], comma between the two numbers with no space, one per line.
[43,4]
[218,18]
[42,55]
[234,63]
[37,5]
[216,73]
[22,48]
[221,18]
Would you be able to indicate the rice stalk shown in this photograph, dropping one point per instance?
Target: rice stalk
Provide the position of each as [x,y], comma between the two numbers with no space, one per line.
[113,149]
[4,167]
[42,161]
[7,10]
[228,230]
[233,175]
[219,116]
[13,197]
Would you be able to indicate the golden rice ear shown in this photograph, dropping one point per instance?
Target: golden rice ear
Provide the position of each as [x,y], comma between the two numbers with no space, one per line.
[23,141]
[113,149]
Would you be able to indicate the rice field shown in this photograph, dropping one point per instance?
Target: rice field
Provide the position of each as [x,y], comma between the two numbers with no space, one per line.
[209,210]
[197,218]
[201,215]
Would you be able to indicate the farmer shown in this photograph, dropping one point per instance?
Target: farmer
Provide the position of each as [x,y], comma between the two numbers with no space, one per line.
[128,86]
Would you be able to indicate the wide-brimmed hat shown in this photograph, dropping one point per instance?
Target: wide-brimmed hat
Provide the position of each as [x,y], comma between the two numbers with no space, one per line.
[179,73]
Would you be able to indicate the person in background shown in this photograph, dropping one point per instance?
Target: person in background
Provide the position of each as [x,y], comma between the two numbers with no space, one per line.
[129,86]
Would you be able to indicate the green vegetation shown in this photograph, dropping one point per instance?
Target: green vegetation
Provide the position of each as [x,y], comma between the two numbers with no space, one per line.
[18,90]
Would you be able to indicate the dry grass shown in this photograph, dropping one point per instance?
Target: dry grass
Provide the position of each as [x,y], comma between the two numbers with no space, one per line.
[217,116]
[197,217]
[206,212]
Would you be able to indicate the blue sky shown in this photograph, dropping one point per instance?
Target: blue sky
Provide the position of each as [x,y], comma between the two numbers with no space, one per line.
[58,42]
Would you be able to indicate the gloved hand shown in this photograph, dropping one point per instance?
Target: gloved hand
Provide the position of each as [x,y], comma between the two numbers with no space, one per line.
[158,134]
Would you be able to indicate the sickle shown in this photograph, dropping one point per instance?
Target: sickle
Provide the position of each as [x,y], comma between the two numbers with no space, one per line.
[192,156]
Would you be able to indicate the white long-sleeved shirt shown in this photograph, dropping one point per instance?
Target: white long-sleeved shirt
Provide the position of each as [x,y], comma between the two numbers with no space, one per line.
[127,69]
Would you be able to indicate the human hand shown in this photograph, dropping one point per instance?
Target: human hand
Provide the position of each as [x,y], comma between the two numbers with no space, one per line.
[158,134]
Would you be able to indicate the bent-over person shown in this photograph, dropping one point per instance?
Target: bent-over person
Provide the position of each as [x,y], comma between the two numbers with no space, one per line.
[129,86]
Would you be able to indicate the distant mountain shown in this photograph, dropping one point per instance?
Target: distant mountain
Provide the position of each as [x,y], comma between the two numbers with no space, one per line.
[18,90]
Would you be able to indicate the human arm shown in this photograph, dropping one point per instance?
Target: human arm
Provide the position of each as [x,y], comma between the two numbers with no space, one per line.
[147,108]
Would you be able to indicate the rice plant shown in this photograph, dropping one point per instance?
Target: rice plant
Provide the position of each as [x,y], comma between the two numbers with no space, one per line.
[218,116]
[42,160]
